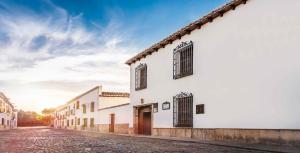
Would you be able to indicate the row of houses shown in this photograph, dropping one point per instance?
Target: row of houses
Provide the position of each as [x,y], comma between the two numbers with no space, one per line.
[95,110]
[8,114]
[231,75]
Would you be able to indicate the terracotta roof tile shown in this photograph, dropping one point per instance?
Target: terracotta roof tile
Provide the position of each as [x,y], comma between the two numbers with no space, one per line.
[114,94]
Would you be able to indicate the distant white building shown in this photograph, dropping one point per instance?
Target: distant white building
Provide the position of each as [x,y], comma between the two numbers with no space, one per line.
[113,112]
[231,75]
[8,115]
[86,111]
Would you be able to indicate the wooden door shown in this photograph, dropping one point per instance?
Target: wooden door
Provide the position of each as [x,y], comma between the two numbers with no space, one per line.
[147,123]
[112,123]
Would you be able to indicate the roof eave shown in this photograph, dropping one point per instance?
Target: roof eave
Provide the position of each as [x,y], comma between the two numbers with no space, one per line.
[187,29]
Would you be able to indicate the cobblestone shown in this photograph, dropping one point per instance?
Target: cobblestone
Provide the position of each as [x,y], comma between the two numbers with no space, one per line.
[44,140]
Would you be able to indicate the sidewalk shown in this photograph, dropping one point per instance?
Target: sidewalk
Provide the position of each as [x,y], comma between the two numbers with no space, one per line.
[255,147]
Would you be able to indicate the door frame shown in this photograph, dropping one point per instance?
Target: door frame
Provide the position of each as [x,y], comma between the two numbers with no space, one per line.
[138,119]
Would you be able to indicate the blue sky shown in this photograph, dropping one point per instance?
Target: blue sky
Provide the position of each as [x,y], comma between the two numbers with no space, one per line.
[52,50]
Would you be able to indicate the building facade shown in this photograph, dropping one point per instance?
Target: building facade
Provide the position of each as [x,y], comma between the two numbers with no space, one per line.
[231,75]
[8,115]
[86,111]
[113,112]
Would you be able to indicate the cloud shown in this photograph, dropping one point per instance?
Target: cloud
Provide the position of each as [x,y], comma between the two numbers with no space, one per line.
[53,56]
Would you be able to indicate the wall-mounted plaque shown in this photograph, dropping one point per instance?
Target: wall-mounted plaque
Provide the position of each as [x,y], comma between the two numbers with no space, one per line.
[155,108]
[166,105]
[200,109]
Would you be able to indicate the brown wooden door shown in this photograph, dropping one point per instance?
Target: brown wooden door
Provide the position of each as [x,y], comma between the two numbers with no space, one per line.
[112,123]
[147,123]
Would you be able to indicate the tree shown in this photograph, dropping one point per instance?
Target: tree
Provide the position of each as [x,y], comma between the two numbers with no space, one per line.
[48,111]
[47,118]
[29,118]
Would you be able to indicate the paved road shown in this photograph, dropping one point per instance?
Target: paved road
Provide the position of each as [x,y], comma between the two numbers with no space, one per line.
[62,141]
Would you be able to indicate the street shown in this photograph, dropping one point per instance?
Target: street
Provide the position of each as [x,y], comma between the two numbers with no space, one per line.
[62,141]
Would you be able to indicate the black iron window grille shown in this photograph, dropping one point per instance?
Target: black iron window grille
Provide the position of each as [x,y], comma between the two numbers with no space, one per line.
[141,77]
[183,60]
[183,110]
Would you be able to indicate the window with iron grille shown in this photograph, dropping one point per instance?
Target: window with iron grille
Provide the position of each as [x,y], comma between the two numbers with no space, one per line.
[85,122]
[92,122]
[78,121]
[183,60]
[92,106]
[141,77]
[77,105]
[183,110]
[83,108]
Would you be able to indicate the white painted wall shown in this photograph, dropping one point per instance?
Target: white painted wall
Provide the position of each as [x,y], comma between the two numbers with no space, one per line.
[112,101]
[7,116]
[246,70]
[122,115]
[87,99]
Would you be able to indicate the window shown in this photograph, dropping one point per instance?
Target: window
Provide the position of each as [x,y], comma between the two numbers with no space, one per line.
[77,105]
[200,109]
[85,120]
[83,108]
[92,122]
[183,60]
[2,122]
[92,106]
[183,110]
[72,122]
[141,77]
[78,121]
[1,107]
[68,124]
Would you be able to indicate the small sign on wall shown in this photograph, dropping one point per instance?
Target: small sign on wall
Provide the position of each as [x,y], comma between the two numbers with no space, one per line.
[200,109]
[155,108]
[166,105]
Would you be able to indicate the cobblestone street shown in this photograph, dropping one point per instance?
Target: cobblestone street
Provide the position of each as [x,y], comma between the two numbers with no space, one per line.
[61,141]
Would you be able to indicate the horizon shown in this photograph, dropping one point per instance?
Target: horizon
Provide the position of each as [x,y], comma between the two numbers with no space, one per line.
[65,48]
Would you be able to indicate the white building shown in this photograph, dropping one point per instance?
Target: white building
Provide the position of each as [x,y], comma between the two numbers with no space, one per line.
[60,116]
[8,115]
[233,74]
[113,112]
[86,111]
